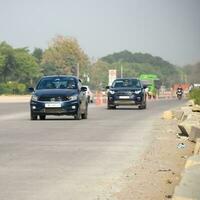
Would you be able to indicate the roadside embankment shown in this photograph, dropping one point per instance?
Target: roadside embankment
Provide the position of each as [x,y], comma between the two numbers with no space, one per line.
[15,99]
[158,171]
[189,125]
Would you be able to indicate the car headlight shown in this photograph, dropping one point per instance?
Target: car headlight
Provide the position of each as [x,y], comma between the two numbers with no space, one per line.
[138,91]
[112,92]
[34,97]
[73,98]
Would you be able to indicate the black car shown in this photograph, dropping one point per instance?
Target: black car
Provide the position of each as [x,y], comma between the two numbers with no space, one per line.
[59,95]
[126,91]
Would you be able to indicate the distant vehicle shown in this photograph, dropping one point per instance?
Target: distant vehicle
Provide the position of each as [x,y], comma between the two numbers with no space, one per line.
[153,83]
[179,93]
[126,91]
[89,94]
[58,95]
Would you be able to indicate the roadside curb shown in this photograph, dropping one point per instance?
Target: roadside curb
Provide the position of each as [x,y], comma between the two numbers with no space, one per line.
[188,188]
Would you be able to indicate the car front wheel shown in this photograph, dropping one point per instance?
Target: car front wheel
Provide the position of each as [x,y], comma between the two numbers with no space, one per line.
[85,114]
[111,107]
[33,116]
[77,116]
[142,106]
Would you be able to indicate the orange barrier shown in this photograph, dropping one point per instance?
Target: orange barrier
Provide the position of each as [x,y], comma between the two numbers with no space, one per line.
[100,98]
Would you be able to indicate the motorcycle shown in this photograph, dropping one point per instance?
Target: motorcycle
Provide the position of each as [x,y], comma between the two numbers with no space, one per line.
[179,94]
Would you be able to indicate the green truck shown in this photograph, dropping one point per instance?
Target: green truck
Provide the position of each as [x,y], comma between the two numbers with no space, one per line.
[153,83]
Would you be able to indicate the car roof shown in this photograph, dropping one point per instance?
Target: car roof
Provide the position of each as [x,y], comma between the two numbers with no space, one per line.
[67,76]
[127,79]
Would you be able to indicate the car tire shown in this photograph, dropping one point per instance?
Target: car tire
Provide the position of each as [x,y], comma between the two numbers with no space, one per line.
[42,117]
[109,107]
[77,116]
[143,106]
[140,107]
[85,115]
[88,99]
[33,116]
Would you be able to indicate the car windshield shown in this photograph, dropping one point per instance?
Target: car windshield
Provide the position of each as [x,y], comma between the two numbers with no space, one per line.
[57,83]
[126,83]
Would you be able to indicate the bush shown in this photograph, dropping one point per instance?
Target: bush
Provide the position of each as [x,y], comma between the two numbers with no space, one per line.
[12,88]
[195,94]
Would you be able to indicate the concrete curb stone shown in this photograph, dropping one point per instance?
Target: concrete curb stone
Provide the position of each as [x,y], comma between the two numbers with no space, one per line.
[178,114]
[192,161]
[197,147]
[188,188]
[194,134]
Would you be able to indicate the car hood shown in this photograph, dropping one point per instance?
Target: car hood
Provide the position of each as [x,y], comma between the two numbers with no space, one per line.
[56,92]
[125,89]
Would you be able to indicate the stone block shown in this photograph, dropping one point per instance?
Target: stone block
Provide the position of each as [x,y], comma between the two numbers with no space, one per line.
[167,115]
[188,188]
[196,108]
[178,114]
[192,161]
[197,147]
[194,134]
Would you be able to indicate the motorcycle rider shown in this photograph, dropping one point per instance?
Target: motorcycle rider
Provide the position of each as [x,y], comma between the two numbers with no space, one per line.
[179,92]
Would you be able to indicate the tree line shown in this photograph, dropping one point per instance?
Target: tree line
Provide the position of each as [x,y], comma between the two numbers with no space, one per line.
[20,68]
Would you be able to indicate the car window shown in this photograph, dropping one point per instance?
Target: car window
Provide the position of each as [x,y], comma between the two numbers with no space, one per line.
[57,83]
[88,89]
[126,83]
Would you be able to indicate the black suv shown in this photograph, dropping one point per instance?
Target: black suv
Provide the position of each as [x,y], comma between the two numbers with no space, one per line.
[58,95]
[126,91]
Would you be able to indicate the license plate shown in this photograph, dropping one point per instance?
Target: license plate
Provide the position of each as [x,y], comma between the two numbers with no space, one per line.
[124,97]
[52,105]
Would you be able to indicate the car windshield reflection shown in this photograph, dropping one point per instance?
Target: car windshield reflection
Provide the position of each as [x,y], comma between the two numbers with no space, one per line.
[57,83]
[126,83]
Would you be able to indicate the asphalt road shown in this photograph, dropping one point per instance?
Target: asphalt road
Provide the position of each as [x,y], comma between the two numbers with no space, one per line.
[61,158]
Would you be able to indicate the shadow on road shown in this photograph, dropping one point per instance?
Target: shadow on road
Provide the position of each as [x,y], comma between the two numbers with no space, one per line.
[123,108]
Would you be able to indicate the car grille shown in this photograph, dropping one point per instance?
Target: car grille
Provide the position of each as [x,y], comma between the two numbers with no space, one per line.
[128,93]
[54,110]
[50,98]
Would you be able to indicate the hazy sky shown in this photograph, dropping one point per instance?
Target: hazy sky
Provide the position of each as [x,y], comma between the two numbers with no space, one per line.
[166,28]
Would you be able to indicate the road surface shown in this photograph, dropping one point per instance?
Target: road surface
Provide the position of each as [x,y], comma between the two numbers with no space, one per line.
[61,158]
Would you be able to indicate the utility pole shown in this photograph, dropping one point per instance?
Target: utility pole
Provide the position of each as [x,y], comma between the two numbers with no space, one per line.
[78,70]
[121,71]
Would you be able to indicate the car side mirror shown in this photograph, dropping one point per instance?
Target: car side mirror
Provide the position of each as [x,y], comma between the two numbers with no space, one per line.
[31,89]
[145,86]
[107,87]
[83,89]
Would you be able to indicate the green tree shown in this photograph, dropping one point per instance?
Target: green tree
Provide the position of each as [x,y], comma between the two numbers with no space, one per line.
[7,63]
[27,69]
[63,54]
[99,74]
[139,63]
[38,54]
[193,73]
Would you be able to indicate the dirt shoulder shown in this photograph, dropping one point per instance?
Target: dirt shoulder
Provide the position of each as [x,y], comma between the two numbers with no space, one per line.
[159,170]
[15,99]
